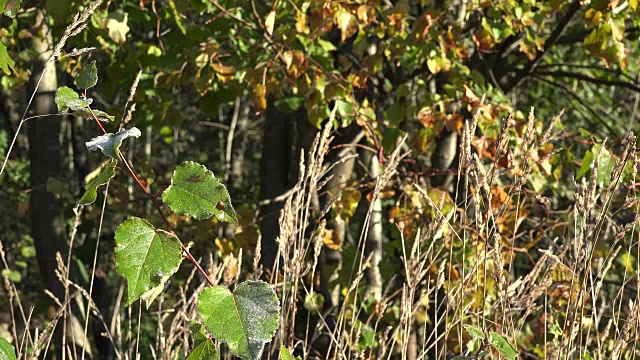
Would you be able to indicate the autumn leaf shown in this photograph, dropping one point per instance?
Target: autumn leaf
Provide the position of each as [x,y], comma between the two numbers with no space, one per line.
[259,97]
[331,239]
[366,14]
[498,196]
[301,23]
[347,23]
[224,73]
[454,122]
[270,21]
[295,62]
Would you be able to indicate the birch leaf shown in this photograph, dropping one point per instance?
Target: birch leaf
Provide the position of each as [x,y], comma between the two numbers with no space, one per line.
[146,257]
[196,192]
[245,319]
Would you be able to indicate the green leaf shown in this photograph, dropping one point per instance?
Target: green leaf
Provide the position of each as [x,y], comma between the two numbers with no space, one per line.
[502,345]
[110,143]
[88,76]
[67,98]
[585,165]
[245,319]
[146,257]
[13,275]
[289,104]
[11,7]
[100,115]
[196,192]
[6,62]
[474,332]
[7,351]
[395,114]
[91,190]
[462,357]
[203,347]
[285,354]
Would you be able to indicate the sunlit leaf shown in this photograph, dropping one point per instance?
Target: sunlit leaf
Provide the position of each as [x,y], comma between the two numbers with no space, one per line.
[110,143]
[245,319]
[91,189]
[501,344]
[117,26]
[474,332]
[347,23]
[286,355]
[270,21]
[203,347]
[196,192]
[146,257]
[67,98]
[6,63]
[259,97]
[331,238]
[7,351]
[11,7]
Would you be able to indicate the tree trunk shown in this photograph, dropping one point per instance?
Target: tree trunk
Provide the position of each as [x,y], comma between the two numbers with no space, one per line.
[47,224]
[373,241]
[274,181]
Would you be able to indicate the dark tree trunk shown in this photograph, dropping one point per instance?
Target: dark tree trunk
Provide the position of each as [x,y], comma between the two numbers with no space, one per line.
[47,222]
[274,181]
[47,227]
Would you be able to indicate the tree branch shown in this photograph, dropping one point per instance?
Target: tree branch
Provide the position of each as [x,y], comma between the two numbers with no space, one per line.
[551,41]
[593,112]
[594,80]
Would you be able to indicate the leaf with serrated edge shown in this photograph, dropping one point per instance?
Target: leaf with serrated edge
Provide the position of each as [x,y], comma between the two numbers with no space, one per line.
[91,192]
[245,319]
[501,344]
[146,257]
[474,332]
[7,351]
[67,98]
[63,96]
[110,143]
[196,192]
[203,347]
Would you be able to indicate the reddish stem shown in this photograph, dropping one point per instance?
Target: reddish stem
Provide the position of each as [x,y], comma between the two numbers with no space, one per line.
[155,204]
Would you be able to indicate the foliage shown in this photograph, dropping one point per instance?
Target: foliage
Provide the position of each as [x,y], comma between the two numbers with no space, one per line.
[535,220]
[7,351]
[245,319]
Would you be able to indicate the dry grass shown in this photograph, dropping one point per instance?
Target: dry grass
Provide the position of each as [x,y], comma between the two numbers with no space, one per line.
[546,286]
[459,268]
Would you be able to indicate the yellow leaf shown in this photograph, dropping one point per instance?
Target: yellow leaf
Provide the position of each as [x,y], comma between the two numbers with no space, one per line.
[301,23]
[366,13]
[259,97]
[331,238]
[347,23]
[270,21]
[295,61]
[499,196]
[224,73]
[349,201]
[454,123]
[225,246]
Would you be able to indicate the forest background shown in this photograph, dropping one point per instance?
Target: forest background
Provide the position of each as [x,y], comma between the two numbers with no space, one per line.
[415,179]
